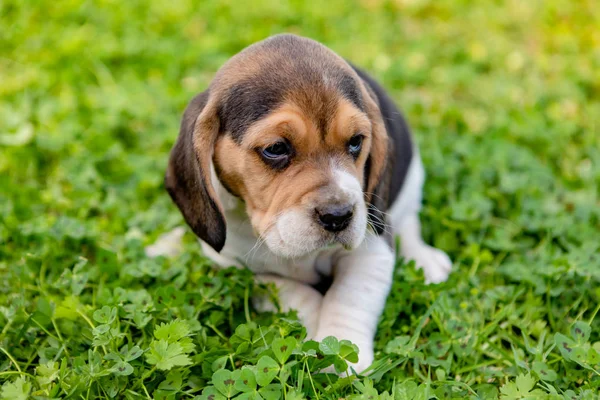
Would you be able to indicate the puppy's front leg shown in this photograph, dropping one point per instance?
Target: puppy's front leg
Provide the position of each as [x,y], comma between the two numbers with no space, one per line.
[293,295]
[352,305]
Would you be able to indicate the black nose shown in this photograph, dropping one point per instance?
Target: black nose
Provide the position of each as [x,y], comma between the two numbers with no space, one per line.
[334,218]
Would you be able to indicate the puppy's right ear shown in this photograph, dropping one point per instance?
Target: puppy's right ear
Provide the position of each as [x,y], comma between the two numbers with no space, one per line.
[188,177]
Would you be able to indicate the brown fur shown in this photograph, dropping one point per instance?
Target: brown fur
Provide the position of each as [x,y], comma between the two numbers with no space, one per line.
[266,192]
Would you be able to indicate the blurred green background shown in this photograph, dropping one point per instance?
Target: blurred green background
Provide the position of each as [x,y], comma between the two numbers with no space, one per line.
[91,92]
[503,96]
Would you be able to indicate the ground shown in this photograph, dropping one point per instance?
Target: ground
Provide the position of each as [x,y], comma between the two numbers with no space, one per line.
[504,99]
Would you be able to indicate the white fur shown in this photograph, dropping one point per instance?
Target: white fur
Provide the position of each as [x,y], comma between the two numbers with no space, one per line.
[404,219]
[351,307]
[296,250]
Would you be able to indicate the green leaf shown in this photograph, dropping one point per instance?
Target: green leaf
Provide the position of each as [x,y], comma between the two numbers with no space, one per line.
[211,393]
[44,311]
[91,367]
[440,374]
[111,385]
[510,391]
[439,345]
[172,331]
[340,365]
[329,346]
[366,388]
[122,368]
[348,351]
[486,391]
[544,372]
[173,382]
[160,394]
[522,388]
[246,381]
[106,315]
[525,383]
[113,356]
[266,370]
[565,345]
[294,394]
[271,392]
[168,297]
[463,346]
[399,345]
[283,348]
[219,363]
[101,329]
[166,355]
[310,347]
[141,319]
[17,390]
[579,355]
[224,381]
[46,373]
[443,392]
[406,390]
[593,357]
[243,348]
[249,396]
[570,395]
[131,354]
[580,332]
[244,331]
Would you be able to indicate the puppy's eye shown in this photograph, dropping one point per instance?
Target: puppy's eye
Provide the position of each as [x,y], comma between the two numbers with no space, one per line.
[276,151]
[355,145]
[277,155]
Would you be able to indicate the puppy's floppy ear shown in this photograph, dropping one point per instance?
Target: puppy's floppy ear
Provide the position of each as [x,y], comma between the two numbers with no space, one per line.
[188,177]
[377,167]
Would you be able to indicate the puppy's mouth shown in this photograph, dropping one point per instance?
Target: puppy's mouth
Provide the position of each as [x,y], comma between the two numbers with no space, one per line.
[294,235]
[309,245]
[341,239]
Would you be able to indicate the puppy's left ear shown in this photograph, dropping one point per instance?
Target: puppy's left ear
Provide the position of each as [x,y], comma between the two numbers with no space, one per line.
[377,166]
[188,177]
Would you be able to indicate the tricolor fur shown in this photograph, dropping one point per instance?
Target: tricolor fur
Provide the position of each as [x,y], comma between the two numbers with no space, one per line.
[297,165]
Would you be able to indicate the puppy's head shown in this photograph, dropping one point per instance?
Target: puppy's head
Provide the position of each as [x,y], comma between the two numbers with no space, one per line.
[292,130]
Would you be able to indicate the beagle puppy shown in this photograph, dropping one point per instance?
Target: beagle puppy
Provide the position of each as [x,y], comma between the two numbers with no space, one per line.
[296,164]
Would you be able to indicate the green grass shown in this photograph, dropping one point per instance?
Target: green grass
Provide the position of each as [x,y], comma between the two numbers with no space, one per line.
[504,98]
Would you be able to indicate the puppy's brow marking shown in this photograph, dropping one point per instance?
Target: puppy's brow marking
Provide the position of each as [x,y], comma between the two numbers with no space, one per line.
[247,102]
[348,88]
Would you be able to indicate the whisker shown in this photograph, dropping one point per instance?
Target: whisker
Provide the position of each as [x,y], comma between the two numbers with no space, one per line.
[387,228]
[374,195]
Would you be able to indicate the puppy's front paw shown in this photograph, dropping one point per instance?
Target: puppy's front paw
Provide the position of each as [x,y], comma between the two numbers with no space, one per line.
[435,263]
[168,244]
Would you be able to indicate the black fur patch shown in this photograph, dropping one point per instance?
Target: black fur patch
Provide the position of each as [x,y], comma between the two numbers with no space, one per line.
[324,284]
[247,102]
[349,89]
[400,139]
